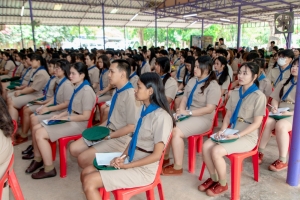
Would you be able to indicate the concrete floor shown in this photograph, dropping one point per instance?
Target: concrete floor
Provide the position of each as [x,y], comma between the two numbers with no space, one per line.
[271,185]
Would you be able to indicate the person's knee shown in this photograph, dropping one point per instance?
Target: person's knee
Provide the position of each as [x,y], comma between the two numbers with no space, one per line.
[177,133]
[281,128]
[216,152]
[88,183]
[74,149]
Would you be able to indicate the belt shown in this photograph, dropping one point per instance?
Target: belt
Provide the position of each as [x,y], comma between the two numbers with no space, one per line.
[289,102]
[242,120]
[143,150]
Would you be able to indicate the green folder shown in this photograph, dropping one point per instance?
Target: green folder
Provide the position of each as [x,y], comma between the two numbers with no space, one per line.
[279,117]
[102,167]
[223,141]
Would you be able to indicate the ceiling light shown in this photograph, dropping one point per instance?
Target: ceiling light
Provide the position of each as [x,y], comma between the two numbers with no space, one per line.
[190,15]
[134,17]
[57,6]
[193,23]
[113,11]
[22,11]
[225,20]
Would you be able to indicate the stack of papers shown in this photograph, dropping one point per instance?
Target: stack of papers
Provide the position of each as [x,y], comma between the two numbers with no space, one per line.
[228,131]
[279,112]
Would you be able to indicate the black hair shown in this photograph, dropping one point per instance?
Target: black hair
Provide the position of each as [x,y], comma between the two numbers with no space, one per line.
[21,55]
[224,75]
[272,42]
[289,79]
[6,123]
[222,52]
[260,62]
[254,68]
[152,54]
[123,65]
[287,53]
[165,67]
[81,68]
[221,39]
[10,57]
[80,56]
[153,80]
[251,56]
[106,62]
[65,66]
[190,60]
[41,59]
[134,65]
[92,57]
[205,63]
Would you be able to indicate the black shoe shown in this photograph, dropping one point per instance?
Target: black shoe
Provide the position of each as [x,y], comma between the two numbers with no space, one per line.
[34,166]
[28,156]
[28,150]
[42,174]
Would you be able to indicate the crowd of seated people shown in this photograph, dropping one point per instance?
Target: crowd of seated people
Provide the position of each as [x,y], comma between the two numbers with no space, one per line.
[143,97]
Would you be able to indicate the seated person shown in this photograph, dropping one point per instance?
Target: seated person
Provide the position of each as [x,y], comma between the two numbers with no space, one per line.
[283,96]
[201,96]
[221,70]
[90,61]
[120,119]
[149,140]
[245,110]
[79,110]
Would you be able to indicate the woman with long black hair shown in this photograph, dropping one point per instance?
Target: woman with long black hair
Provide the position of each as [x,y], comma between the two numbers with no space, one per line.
[9,68]
[144,150]
[221,70]
[78,113]
[199,101]
[162,68]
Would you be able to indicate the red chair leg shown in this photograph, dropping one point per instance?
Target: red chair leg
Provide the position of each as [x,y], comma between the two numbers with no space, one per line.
[202,171]
[216,120]
[235,178]
[63,157]
[150,194]
[192,153]
[160,192]
[255,166]
[199,146]
[53,147]
[14,185]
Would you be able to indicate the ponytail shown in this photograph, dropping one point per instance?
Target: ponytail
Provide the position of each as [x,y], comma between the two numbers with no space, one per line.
[168,75]
[211,77]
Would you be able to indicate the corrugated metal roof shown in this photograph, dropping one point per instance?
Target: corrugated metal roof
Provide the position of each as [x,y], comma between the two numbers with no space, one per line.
[74,12]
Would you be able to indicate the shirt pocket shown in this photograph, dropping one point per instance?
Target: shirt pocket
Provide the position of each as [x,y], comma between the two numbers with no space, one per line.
[76,105]
[246,111]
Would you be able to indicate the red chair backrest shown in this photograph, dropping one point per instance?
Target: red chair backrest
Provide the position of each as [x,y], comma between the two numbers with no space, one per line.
[216,114]
[90,122]
[172,105]
[162,159]
[262,126]
[6,174]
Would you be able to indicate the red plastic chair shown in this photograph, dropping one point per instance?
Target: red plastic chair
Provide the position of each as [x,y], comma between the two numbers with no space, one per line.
[63,143]
[172,104]
[14,132]
[126,194]
[10,177]
[236,160]
[192,141]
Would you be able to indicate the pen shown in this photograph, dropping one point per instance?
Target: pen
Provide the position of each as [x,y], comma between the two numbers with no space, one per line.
[124,156]
[271,106]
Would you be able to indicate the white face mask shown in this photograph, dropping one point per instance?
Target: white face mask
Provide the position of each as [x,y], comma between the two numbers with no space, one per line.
[281,61]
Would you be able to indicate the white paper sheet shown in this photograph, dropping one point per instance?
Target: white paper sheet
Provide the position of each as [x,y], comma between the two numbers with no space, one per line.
[105,158]
[280,110]
[228,131]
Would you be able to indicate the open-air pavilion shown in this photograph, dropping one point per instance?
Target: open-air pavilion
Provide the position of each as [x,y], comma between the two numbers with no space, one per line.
[158,14]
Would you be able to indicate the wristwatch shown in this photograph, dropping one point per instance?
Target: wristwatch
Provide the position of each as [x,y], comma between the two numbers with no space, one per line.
[190,112]
[108,137]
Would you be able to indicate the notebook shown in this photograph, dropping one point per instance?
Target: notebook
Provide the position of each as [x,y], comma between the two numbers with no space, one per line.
[105,158]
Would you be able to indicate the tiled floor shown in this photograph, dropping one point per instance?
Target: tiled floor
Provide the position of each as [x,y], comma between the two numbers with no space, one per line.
[271,185]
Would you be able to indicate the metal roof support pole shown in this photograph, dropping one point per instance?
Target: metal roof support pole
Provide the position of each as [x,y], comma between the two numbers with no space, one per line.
[155,27]
[32,25]
[294,164]
[239,29]
[103,24]
[79,37]
[125,36]
[22,35]
[167,37]
[202,32]
[289,37]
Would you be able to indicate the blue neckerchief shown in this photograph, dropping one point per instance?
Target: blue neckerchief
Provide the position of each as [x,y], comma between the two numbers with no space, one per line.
[57,88]
[132,75]
[187,76]
[261,77]
[289,90]
[47,87]
[101,80]
[38,69]
[91,68]
[84,83]
[190,99]
[143,64]
[114,99]
[234,115]
[132,145]
[163,76]
[176,61]
[218,73]
[281,74]
[27,70]
[178,72]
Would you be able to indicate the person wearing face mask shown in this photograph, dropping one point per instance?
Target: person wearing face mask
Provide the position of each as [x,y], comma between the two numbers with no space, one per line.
[282,71]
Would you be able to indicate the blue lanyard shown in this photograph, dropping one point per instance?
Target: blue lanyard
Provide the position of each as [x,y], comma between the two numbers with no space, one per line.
[289,90]
[91,68]
[132,75]
[281,74]
[261,77]
[47,87]
[85,82]
[178,72]
[28,69]
[40,68]
[57,88]
[101,79]
[190,99]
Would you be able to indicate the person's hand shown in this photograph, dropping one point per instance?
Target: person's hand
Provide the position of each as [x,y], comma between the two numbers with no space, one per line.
[17,88]
[43,110]
[274,110]
[55,117]
[118,163]
[219,135]
[17,93]
[234,136]
[100,92]
[39,102]
[287,113]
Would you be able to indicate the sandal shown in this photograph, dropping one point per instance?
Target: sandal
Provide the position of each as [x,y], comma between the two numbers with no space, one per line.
[170,171]
[277,166]
[207,184]
[216,189]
